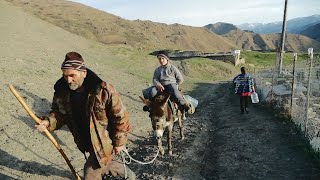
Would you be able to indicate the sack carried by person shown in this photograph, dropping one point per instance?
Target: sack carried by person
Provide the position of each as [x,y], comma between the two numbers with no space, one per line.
[148,92]
[193,102]
[254,97]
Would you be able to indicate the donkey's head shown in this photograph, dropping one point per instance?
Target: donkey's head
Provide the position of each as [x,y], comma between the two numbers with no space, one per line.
[158,109]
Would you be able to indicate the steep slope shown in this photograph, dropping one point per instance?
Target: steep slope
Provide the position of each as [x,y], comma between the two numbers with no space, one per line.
[32,51]
[294,42]
[312,32]
[297,25]
[31,54]
[110,29]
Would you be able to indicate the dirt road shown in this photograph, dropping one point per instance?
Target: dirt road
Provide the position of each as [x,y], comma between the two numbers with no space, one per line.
[220,143]
[223,144]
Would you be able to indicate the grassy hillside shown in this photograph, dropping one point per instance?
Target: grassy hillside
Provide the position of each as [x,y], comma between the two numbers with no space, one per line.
[267,60]
[109,29]
[201,69]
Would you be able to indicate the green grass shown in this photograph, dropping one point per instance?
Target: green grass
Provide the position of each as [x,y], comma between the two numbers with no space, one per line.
[203,69]
[263,60]
[196,70]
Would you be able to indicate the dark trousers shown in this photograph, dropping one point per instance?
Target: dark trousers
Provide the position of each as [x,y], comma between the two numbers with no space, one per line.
[175,93]
[244,103]
[93,171]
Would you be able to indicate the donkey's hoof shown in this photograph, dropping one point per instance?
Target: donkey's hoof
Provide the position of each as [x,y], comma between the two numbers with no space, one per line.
[170,152]
[182,138]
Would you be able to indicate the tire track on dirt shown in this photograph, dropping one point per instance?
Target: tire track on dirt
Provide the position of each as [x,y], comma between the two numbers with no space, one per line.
[191,165]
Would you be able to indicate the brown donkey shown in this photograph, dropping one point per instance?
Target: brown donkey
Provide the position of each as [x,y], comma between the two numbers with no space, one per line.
[162,116]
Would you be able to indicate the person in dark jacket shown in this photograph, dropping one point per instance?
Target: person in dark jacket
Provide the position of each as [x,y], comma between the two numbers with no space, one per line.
[244,87]
[94,113]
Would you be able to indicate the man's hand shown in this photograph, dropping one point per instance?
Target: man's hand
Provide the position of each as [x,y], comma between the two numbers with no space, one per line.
[118,149]
[160,87]
[43,125]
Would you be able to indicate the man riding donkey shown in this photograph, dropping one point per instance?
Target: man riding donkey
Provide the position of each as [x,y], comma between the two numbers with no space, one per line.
[166,79]
[162,112]
[94,113]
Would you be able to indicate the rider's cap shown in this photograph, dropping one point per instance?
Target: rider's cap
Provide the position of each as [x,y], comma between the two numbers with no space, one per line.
[163,54]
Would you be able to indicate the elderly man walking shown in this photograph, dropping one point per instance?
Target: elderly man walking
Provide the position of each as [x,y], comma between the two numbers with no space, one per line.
[94,113]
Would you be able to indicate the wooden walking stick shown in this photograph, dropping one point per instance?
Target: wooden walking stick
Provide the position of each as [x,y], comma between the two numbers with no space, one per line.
[35,118]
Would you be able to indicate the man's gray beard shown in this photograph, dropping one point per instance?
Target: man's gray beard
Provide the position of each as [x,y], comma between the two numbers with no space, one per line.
[73,86]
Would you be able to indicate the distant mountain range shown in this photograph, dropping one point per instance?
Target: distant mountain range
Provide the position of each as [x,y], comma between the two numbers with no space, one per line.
[294,26]
[247,39]
[312,32]
[259,36]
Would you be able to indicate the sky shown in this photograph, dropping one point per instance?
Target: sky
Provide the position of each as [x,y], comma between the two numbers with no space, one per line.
[202,12]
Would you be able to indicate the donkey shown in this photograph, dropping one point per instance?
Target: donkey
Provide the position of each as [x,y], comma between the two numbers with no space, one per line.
[163,116]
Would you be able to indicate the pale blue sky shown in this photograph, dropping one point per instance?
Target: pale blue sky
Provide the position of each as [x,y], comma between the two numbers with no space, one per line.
[203,12]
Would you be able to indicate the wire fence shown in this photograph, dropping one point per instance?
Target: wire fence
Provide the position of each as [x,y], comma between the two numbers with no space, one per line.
[294,92]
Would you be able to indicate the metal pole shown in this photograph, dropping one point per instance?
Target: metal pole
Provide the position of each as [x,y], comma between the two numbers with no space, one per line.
[309,87]
[283,36]
[295,57]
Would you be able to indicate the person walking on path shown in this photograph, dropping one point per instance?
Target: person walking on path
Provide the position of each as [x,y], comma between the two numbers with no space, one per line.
[94,113]
[244,87]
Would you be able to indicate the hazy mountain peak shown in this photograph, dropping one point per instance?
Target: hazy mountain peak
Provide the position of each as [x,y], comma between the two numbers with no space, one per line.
[294,26]
[221,27]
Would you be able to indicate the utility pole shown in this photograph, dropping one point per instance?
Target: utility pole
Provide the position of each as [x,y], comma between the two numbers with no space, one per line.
[283,36]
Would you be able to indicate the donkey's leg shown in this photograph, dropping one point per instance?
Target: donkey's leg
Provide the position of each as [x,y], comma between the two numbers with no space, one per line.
[183,115]
[159,140]
[169,138]
[181,119]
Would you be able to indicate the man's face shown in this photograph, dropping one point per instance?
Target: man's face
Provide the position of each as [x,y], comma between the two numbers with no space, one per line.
[163,61]
[74,78]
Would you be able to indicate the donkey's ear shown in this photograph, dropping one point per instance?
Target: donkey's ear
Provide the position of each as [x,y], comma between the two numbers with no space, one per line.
[166,99]
[145,101]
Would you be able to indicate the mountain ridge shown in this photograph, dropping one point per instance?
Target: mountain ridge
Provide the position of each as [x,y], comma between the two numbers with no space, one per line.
[253,41]
[109,29]
[294,26]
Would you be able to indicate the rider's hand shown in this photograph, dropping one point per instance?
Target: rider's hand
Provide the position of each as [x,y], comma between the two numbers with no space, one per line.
[118,149]
[160,88]
[43,125]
